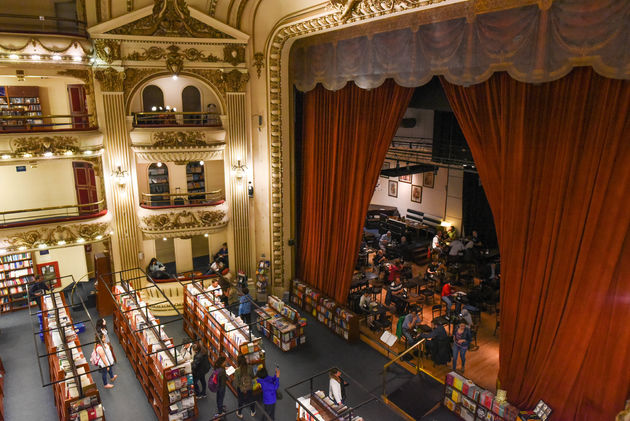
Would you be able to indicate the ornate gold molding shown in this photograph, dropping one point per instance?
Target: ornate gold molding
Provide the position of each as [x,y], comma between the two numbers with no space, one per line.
[259,62]
[43,144]
[110,79]
[235,81]
[107,50]
[67,234]
[212,7]
[158,53]
[234,54]
[360,9]
[180,139]
[183,221]
[35,42]
[170,18]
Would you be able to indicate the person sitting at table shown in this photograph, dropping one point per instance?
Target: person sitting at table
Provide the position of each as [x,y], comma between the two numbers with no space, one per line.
[404,249]
[379,259]
[456,250]
[394,270]
[452,232]
[365,303]
[436,244]
[447,292]
[474,238]
[38,287]
[412,320]
[396,294]
[385,240]
[222,255]
[437,343]
[432,271]
[157,270]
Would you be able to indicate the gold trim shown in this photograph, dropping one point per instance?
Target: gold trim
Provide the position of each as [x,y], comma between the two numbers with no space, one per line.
[259,62]
[175,221]
[110,79]
[157,53]
[43,144]
[107,50]
[35,41]
[234,54]
[179,139]
[52,236]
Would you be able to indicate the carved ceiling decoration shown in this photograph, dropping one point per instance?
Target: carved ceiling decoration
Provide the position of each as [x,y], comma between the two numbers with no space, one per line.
[67,234]
[181,139]
[50,46]
[180,147]
[111,80]
[184,222]
[363,8]
[259,62]
[212,7]
[170,18]
[41,145]
[235,81]
[158,53]
[234,54]
[107,50]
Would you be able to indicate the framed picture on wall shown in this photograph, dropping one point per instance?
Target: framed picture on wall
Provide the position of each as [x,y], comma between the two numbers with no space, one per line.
[392,189]
[405,178]
[428,179]
[416,194]
[386,166]
[50,272]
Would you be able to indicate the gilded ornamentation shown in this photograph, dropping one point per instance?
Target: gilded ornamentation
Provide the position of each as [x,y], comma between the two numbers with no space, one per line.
[170,18]
[60,233]
[158,53]
[212,7]
[213,76]
[107,50]
[35,42]
[43,144]
[183,220]
[234,54]
[134,76]
[365,8]
[259,62]
[111,80]
[235,81]
[181,139]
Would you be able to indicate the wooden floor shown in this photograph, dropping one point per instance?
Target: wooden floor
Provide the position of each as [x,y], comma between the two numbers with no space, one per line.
[482,364]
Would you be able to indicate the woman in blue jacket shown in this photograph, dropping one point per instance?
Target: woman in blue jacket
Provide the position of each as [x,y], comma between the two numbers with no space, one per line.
[269,386]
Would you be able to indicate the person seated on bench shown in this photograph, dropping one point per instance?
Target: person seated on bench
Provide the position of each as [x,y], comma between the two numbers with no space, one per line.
[37,288]
[409,326]
[394,270]
[157,270]
[365,303]
[379,259]
[222,255]
[385,240]
[447,297]
[437,244]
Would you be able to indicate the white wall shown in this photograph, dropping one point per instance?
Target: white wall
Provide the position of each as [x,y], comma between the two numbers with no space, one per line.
[50,183]
[200,246]
[71,261]
[165,250]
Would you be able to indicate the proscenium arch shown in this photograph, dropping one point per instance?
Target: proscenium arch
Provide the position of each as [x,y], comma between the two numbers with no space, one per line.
[163,73]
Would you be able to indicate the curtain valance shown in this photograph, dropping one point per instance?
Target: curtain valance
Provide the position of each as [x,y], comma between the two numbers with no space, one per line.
[531,44]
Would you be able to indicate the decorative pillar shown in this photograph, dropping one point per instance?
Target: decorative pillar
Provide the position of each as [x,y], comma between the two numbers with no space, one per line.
[183,254]
[237,148]
[116,142]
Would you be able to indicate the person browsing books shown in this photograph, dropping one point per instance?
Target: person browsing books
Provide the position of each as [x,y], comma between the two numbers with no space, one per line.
[336,387]
[245,306]
[244,380]
[269,386]
[200,366]
[105,360]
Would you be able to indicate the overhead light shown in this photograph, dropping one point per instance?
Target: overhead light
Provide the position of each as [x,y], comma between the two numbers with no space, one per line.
[163,238]
[14,57]
[159,164]
[201,163]
[42,245]
[80,240]
[111,232]
[174,109]
[22,248]
[206,235]
[77,58]
[154,108]
[101,150]
[68,153]
[48,154]
[36,57]
[88,152]
[174,77]
[168,108]
[61,242]
[445,224]
[56,57]
[5,156]
[99,237]
[27,155]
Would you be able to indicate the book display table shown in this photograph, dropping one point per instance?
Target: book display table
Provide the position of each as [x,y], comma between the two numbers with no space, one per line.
[76,395]
[164,374]
[282,324]
[319,407]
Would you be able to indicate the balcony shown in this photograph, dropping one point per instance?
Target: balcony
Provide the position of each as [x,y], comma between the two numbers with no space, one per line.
[173,222]
[170,118]
[30,24]
[45,123]
[181,200]
[56,214]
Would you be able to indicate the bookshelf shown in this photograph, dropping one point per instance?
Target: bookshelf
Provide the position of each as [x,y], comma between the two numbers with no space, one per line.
[195,181]
[165,376]
[75,392]
[1,390]
[16,271]
[20,101]
[321,408]
[158,183]
[219,331]
[339,319]
[473,403]
[282,324]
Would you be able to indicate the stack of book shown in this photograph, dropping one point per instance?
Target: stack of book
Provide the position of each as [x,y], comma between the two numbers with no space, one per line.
[282,324]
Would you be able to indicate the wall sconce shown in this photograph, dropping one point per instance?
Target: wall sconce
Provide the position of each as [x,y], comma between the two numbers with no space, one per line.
[120,175]
[250,190]
[239,169]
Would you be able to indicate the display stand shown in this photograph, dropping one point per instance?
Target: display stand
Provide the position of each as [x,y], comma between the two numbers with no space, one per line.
[262,279]
[75,393]
[339,319]
[220,332]
[282,324]
[16,271]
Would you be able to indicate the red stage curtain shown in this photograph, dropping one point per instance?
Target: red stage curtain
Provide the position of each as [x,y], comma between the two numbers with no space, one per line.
[346,135]
[553,159]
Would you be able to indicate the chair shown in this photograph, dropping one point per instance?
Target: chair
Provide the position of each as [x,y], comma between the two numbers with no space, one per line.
[428,294]
[436,309]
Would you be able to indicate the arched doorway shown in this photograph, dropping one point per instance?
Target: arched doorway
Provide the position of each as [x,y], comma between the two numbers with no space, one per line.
[191,102]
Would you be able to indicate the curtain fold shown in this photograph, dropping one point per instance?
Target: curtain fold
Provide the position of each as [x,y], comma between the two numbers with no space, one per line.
[553,161]
[346,135]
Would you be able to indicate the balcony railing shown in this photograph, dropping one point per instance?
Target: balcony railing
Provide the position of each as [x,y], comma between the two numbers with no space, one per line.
[51,214]
[175,119]
[175,200]
[41,24]
[24,123]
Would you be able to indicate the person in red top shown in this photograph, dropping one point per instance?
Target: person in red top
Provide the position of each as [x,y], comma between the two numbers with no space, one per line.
[447,291]
[394,270]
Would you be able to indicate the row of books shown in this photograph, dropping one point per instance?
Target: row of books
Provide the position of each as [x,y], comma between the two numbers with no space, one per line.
[282,324]
[319,407]
[16,265]
[20,273]
[15,257]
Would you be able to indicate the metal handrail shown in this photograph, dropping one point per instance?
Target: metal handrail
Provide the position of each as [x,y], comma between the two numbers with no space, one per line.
[414,346]
[28,122]
[163,197]
[176,118]
[66,207]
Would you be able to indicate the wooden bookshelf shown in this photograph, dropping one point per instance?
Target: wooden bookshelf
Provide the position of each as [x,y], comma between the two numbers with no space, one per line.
[165,376]
[20,101]
[338,318]
[158,183]
[322,408]
[75,392]
[16,271]
[282,324]
[220,332]
[195,181]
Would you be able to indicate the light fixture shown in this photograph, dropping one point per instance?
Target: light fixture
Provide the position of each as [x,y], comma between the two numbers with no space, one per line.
[42,245]
[36,57]
[445,224]
[168,108]
[120,175]
[27,155]
[80,240]
[61,242]
[174,109]
[154,108]
[89,152]
[101,150]
[159,164]
[68,153]
[163,238]
[250,189]
[111,232]
[56,57]
[22,248]
[14,57]
[201,163]
[99,237]
[239,169]
[174,77]
[48,154]
[206,235]
[77,58]
[5,156]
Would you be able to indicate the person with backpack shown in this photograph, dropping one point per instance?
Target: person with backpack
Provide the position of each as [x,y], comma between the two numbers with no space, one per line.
[217,383]
[244,379]
[245,306]
[200,366]
[103,358]
[269,386]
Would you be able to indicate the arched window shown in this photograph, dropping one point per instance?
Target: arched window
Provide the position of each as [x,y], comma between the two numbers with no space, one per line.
[158,183]
[152,96]
[191,102]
